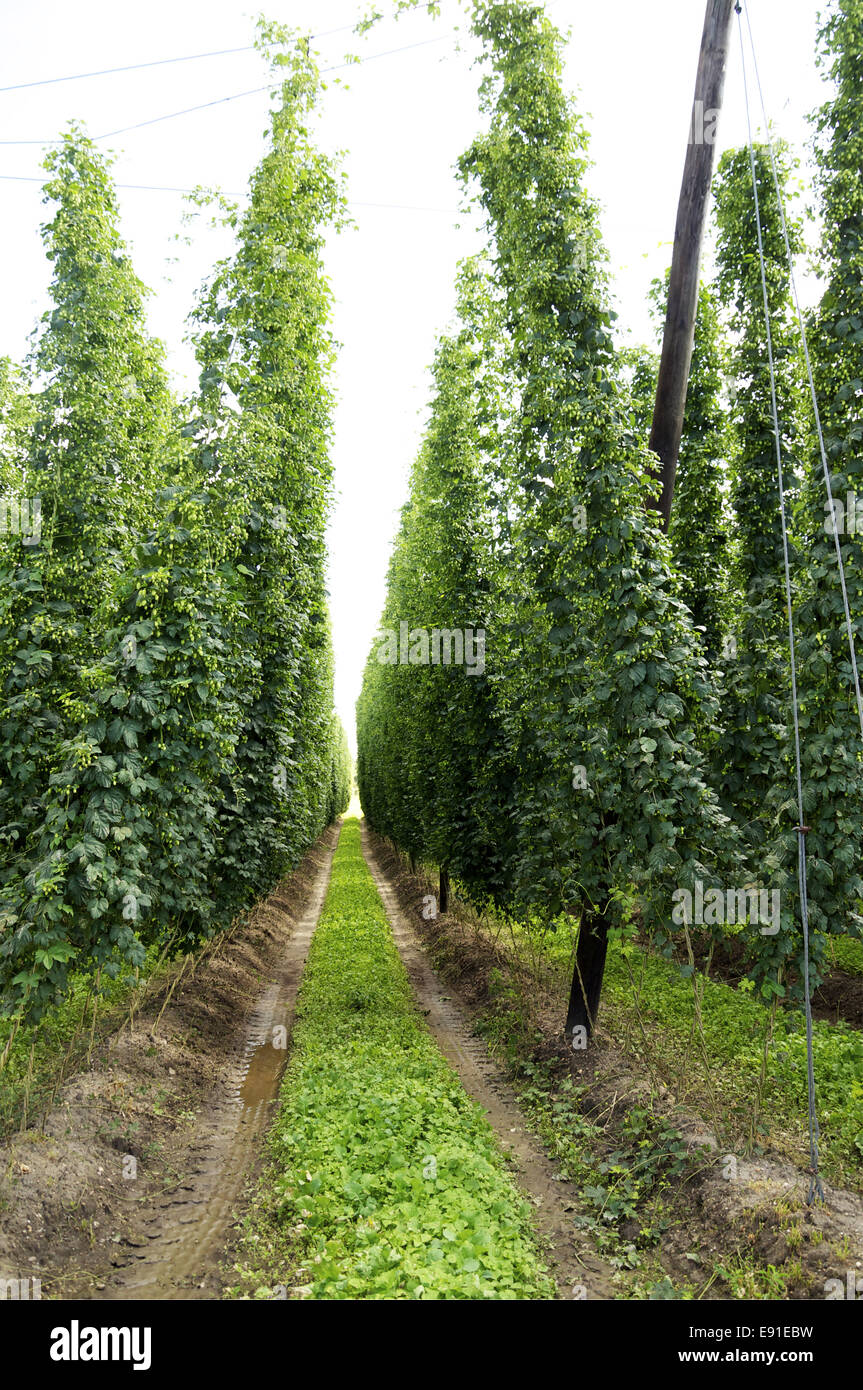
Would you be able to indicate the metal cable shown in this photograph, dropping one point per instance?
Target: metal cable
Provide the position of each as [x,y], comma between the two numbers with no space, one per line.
[812,392]
[815,1188]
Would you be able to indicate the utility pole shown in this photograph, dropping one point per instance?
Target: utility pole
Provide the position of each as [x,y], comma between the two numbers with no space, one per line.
[679,336]
[677,344]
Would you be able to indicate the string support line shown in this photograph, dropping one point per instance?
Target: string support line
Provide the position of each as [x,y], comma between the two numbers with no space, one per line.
[815,1187]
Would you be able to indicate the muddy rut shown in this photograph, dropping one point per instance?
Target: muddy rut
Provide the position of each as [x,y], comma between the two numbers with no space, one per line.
[183,1234]
[578,1270]
[215,1064]
[177,1101]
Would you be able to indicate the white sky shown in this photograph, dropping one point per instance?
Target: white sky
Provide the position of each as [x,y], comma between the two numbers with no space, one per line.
[403,120]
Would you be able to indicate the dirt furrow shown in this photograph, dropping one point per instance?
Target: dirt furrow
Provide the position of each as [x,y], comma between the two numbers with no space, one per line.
[131,1188]
[579,1271]
[185,1234]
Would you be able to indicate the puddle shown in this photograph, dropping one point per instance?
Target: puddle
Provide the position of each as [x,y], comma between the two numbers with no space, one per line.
[574,1263]
[180,1237]
[264,1074]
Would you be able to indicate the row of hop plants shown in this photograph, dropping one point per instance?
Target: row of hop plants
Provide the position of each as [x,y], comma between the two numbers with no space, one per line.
[629,734]
[168,745]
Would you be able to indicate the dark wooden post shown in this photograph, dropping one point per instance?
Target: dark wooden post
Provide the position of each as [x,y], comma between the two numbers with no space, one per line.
[677,342]
[443,895]
[587,974]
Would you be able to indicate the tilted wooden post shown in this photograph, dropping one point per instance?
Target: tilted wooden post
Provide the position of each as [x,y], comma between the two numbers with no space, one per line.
[678,340]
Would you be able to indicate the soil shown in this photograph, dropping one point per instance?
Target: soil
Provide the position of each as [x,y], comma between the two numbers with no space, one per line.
[132,1187]
[755,1207]
[840,996]
[578,1270]
[137,1181]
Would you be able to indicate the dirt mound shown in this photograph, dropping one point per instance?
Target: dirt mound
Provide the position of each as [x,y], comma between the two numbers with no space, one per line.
[728,1206]
[128,1153]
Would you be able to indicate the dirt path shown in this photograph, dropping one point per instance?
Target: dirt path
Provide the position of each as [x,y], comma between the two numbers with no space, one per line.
[754,1220]
[226,1032]
[579,1271]
[185,1233]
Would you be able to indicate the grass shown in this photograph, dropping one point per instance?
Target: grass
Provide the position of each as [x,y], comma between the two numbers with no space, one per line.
[633,1171]
[43,1055]
[385,1180]
[846,952]
[648,1009]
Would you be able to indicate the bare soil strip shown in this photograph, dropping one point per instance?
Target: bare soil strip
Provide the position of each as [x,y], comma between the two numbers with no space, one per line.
[185,1230]
[577,1268]
[69,1213]
[759,1212]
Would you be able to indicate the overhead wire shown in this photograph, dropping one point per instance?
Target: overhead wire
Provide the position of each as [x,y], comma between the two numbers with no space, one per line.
[235,96]
[155,63]
[129,67]
[166,188]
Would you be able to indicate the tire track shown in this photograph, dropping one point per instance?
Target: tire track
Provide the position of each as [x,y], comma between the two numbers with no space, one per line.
[579,1271]
[177,1242]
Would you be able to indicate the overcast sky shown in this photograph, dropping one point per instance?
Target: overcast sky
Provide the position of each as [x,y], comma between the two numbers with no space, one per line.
[402,120]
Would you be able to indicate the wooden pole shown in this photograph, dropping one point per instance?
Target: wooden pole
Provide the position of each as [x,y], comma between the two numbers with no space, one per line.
[679,336]
[587,974]
[665,436]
